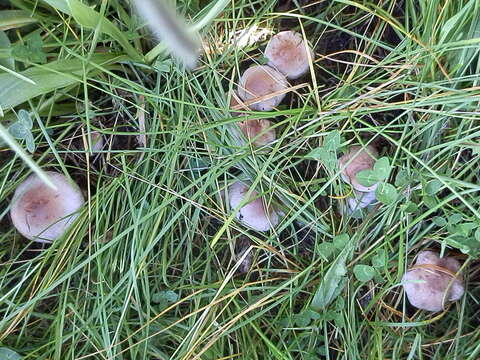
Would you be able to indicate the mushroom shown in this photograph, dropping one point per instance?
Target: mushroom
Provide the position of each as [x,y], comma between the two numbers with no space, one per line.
[432,281]
[288,53]
[254,214]
[252,128]
[236,105]
[258,83]
[361,200]
[355,160]
[42,214]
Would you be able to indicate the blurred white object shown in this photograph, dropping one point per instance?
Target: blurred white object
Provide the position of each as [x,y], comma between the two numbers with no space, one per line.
[254,214]
[172,29]
[361,200]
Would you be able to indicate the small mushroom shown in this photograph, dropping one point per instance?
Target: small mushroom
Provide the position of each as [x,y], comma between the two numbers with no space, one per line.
[288,53]
[361,200]
[254,214]
[42,214]
[252,128]
[355,160]
[433,281]
[258,83]
[236,106]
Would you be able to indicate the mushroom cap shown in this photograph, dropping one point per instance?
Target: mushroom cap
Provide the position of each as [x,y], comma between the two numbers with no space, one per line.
[42,214]
[355,160]
[361,200]
[251,128]
[432,281]
[235,103]
[259,81]
[288,53]
[253,214]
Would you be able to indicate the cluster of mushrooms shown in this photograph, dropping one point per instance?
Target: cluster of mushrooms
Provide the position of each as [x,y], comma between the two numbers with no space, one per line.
[262,88]
[44,214]
[433,281]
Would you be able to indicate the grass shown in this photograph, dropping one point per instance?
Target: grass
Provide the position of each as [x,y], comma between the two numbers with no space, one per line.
[151,268]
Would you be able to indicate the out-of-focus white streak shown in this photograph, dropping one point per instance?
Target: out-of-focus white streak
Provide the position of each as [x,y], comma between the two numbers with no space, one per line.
[170,28]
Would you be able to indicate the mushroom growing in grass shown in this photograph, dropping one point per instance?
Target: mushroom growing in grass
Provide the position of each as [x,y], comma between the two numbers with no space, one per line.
[257,86]
[260,131]
[361,200]
[253,128]
[41,213]
[288,53]
[433,281]
[254,214]
[355,160]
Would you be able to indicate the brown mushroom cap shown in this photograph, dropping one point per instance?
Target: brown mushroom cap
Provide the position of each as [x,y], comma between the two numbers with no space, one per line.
[252,128]
[261,81]
[355,160]
[253,214]
[42,214]
[433,281]
[288,53]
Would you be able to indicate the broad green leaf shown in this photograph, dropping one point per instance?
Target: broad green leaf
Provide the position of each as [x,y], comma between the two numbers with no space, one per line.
[31,51]
[331,284]
[11,19]
[165,297]
[382,168]
[89,18]
[380,259]
[367,177]
[455,219]
[409,207]
[7,354]
[439,221]
[402,178]
[18,130]
[363,273]
[332,140]
[52,76]
[328,158]
[341,241]
[386,193]
[433,187]
[465,229]
[30,143]
[5,45]
[326,249]
[430,201]
[61,5]
[25,118]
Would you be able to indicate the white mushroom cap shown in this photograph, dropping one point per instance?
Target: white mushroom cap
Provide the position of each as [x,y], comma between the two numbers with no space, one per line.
[432,281]
[260,81]
[361,200]
[355,160]
[253,214]
[252,128]
[288,53]
[42,214]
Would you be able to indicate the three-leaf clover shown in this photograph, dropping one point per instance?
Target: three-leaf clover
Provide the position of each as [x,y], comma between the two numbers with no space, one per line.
[32,50]
[22,129]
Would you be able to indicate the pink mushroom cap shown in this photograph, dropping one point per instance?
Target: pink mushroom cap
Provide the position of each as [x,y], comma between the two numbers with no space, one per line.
[433,281]
[42,214]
